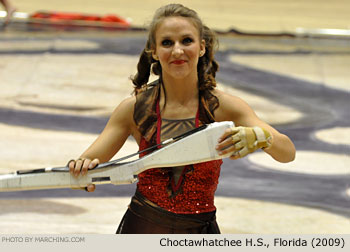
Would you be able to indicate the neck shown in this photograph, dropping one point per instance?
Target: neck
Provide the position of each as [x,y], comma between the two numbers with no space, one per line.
[180,91]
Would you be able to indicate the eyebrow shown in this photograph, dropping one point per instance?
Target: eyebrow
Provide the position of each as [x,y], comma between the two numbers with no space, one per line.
[183,36]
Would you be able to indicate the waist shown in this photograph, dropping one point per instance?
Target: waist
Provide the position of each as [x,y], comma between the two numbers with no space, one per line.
[144,208]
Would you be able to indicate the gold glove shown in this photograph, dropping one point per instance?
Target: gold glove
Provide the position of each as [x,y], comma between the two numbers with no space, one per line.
[247,140]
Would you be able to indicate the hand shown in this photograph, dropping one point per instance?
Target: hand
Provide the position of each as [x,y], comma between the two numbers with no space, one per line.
[243,140]
[81,166]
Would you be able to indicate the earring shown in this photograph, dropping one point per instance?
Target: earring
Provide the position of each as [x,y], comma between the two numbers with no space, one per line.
[201,53]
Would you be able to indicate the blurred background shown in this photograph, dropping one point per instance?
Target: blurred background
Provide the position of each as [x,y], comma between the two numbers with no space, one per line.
[65,65]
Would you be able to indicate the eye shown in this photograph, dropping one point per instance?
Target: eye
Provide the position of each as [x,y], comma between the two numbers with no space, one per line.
[187,41]
[166,42]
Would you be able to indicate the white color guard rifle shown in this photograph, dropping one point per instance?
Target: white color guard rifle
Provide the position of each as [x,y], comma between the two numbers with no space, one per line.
[195,146]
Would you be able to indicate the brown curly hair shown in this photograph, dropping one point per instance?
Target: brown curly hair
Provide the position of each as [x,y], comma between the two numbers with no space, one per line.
[207,65]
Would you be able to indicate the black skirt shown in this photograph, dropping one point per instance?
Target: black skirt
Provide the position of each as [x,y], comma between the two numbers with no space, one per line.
[144,217]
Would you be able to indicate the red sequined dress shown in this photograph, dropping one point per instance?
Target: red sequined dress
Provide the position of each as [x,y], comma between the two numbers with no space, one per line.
[181,190]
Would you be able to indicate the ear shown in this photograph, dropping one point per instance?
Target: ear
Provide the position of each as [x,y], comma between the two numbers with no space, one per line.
[154,55]
[202,48]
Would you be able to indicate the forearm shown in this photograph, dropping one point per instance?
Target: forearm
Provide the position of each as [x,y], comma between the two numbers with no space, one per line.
[282,148]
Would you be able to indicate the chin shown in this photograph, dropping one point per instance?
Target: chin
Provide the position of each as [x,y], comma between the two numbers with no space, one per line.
[180,74]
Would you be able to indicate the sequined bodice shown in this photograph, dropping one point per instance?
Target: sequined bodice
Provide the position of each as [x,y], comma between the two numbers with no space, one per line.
[183,190]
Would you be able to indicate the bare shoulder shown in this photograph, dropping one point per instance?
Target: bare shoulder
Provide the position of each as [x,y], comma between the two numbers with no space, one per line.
[128,103]
[227,99]
[231,107]
[125,108]
[122,115]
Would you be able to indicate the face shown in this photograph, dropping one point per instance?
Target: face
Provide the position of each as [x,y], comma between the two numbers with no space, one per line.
[178,47]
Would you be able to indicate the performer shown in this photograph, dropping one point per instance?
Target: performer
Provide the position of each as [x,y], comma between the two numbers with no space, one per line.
[9,8]
[180,50]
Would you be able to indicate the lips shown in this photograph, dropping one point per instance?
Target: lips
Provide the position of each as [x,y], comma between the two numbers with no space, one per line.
[178,62]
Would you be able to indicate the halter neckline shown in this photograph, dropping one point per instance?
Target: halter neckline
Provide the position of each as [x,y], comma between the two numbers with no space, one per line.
[159,121]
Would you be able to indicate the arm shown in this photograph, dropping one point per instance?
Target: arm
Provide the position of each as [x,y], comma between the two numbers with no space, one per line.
[118,128]
[235,109]
[111,139]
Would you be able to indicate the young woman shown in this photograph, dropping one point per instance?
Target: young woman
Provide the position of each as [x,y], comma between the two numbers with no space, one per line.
[180,50]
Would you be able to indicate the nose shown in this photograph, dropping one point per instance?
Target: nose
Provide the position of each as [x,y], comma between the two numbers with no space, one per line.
[177,50]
